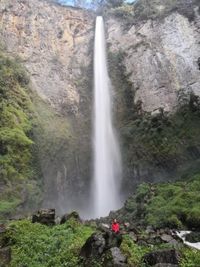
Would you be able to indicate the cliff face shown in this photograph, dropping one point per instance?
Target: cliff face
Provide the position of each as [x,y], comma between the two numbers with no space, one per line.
[154,64]
[55,44]
[161,57]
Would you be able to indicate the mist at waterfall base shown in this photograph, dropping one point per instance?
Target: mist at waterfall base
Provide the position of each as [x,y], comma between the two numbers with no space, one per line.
[107,159]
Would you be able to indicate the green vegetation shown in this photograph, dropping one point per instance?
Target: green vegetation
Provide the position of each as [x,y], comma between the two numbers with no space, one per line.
[174,205]
[164,145]
[163,142]
[133,252]
[190,257]
[16,144]
[155,9]
[42,246]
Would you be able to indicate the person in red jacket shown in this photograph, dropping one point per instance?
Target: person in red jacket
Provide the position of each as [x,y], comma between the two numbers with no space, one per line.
[115,226]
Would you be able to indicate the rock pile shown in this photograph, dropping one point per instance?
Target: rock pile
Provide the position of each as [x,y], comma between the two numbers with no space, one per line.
[104,247]
[45,216]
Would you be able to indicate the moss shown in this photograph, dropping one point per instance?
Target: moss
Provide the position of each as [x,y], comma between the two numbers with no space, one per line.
[9,206]
[16,143]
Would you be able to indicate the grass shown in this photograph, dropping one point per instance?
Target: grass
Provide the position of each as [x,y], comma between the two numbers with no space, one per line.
[36,245]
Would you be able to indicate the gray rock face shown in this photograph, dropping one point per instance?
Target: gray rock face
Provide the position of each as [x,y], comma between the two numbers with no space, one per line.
[102,246]
[94,246]
[170,256]
[46,217]
[161,58]
[115,258]
[53,43]
[73,215]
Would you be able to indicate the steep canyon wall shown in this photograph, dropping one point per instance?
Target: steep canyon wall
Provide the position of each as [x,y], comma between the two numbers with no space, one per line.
[154,63]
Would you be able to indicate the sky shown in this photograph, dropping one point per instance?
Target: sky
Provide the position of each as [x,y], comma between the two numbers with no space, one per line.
[70,2]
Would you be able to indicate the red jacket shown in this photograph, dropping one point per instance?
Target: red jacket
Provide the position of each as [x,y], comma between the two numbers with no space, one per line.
[115,227]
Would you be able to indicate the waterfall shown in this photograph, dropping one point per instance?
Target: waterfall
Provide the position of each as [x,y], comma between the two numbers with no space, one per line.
[107,160]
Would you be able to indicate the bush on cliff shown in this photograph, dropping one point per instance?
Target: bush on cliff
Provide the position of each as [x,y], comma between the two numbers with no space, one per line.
[174,205]
[16,170]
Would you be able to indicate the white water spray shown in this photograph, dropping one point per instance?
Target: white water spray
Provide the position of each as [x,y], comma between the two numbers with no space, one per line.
[107,160]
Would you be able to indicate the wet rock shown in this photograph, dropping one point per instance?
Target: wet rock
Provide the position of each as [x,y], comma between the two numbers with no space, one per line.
[5,256]
[44,216]
[114,258]
[193,237]
[170,256]
[69,216]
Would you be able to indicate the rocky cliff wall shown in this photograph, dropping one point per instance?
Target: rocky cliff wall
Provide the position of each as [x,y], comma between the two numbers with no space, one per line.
[161,55]
[153,51]
[55,44]
[154,65]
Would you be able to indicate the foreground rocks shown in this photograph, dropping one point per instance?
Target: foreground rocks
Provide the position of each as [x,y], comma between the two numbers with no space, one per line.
[103,247]
[45,216]
[158,258]
[114,258]
[193,237]
[73,215]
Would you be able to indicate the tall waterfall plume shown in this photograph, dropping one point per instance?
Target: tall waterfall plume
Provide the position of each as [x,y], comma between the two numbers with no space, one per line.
[107,159]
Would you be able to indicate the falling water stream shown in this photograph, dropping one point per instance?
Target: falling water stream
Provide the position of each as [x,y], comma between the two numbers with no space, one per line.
[107,160]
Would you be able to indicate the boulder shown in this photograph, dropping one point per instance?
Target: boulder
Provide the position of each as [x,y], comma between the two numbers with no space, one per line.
[73,215]
[94,246]
[5,256]
[98,243]
[193,237]
[170,256]
[44,216]
[166,238]
[114,258]
[149,230]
